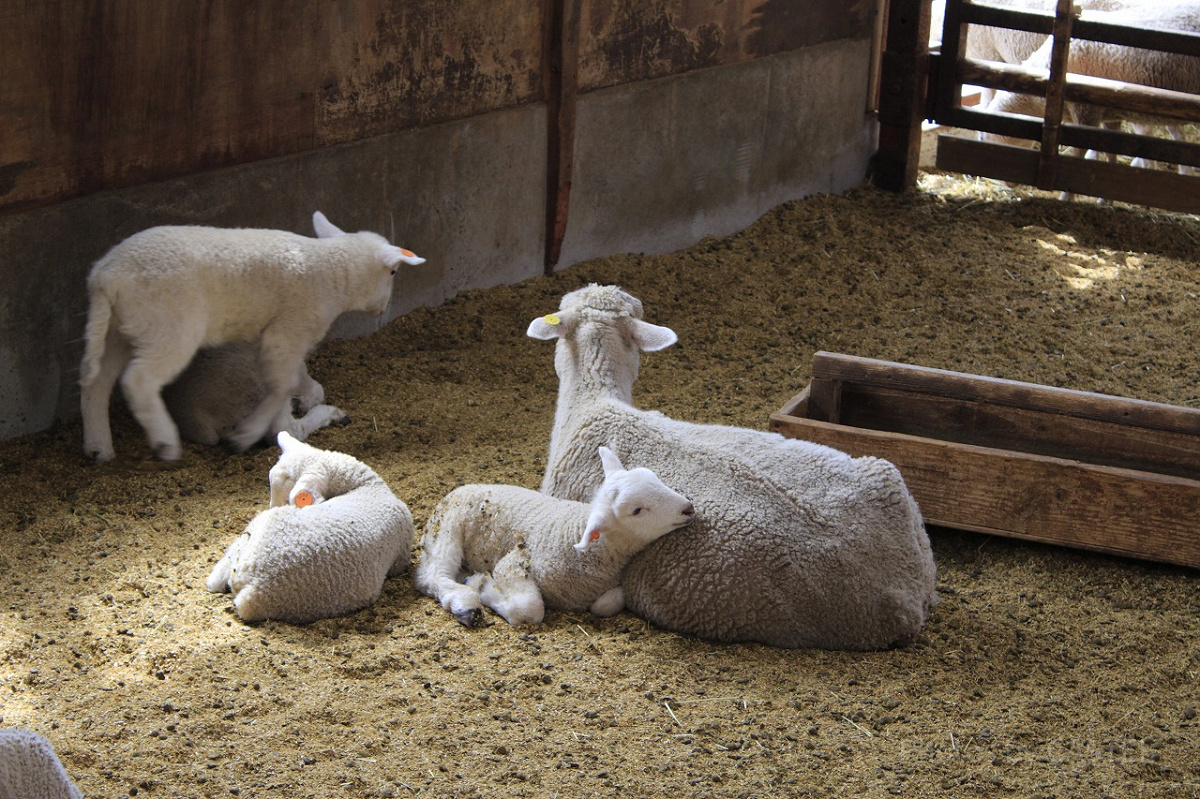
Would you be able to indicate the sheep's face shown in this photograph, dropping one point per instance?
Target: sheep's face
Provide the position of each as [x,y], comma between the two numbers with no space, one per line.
[634,505]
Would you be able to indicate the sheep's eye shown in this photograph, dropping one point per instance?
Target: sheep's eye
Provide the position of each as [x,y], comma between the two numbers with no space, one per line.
[636,511]
[393,271]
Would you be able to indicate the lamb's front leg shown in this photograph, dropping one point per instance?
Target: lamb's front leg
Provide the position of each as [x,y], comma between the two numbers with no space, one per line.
[280,360]
[610,603]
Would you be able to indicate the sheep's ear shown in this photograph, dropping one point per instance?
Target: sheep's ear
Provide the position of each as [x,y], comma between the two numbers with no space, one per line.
[394,256]
[591,535]
[309,490]
[550,326]
[324,228]
[612,463]
[652,338]
[286,440]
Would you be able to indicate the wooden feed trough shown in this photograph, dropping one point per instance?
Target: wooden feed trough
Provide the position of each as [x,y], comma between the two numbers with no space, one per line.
[1045,464]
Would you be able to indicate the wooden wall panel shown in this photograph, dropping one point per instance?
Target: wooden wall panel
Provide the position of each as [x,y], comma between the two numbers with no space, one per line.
[103,94]
[632,40]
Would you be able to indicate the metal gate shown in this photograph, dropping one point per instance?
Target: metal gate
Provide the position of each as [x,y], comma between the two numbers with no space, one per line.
[917,85]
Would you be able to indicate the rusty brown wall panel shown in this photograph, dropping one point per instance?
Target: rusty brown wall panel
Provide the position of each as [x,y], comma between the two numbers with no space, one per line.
[631,40]
[102,94]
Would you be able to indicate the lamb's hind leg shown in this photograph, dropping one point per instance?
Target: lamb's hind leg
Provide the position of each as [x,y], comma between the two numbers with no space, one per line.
[95,395]
[510,592]
[151,368]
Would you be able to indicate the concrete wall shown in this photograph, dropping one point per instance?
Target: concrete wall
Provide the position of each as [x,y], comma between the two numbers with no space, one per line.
[430,121]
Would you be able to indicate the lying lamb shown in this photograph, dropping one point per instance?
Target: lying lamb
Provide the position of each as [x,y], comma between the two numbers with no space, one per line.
[526,550]
[333,533]
[794,544]
[223,385]
[29,768]
[162,294]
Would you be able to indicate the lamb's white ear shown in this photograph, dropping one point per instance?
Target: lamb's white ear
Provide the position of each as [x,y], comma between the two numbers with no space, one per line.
[591,534]
[612,463]
[652,338]
[286,440]
[324,228]
[309,490]
[550,326]
[398,255]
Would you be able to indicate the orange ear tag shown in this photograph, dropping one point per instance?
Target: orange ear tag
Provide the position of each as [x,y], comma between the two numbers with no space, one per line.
[303,499]
[595,535]
[407,253]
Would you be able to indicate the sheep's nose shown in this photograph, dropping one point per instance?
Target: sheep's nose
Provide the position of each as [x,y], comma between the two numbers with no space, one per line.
[689,510]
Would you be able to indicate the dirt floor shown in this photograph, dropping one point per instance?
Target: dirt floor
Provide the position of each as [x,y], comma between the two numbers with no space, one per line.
[1043,672]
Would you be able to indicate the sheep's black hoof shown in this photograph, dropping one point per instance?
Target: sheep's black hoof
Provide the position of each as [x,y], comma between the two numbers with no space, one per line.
[345,420]
[470,618]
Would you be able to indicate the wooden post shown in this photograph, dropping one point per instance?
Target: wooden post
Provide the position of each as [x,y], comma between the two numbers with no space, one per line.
[1052,116]
[904,79]
[562,89]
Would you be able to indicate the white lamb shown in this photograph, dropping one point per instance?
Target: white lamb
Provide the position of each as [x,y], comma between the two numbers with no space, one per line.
[223,385]
[29,768]
[333,534]
[794,544]
[162,294]
[524,550]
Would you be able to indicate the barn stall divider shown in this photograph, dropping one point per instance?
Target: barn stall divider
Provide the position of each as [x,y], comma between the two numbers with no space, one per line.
[919,85]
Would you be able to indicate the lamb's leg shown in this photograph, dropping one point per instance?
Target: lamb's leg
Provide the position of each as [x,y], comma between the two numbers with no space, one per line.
[309,393]
[152,367]
[96,395]
[278,359]
[437,570]
[610,603]
[509,592]
[317,417]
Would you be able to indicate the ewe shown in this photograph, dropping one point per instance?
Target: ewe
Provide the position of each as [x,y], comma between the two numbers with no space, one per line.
[333,534]
[525,550]
[794,544]
[162,294]
[29,768]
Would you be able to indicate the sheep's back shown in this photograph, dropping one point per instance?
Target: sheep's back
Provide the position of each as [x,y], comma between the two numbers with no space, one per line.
[794,544]
[308,563]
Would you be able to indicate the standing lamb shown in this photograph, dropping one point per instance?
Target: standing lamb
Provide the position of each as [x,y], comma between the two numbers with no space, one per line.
[162,294]
[223,385]
[794,545]
[333,533]
[525,550]
[29,768]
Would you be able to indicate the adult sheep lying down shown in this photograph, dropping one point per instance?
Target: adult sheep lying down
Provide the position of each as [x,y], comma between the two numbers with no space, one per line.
[794,544]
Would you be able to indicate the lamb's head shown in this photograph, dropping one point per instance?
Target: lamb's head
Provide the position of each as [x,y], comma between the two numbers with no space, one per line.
[301,475]
[633,505]
[600,333]
[376,283]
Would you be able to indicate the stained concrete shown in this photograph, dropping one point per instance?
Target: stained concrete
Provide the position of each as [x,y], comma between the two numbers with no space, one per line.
[661,164]
[658,165]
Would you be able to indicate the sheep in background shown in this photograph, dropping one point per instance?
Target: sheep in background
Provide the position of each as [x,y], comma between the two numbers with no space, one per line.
[1116,62]
[162,294]
[794,544]
[29,768]
[525,550]
[333,533]
[223,385]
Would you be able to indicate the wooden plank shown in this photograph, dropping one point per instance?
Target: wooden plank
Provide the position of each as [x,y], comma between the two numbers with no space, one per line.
[1106,442]
[1167,190]
[1055,90]
[1031,396]
[905,73]
[1050,500]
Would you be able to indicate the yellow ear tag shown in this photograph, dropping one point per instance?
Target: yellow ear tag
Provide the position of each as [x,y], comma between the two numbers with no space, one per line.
[303,499]
[551,320]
